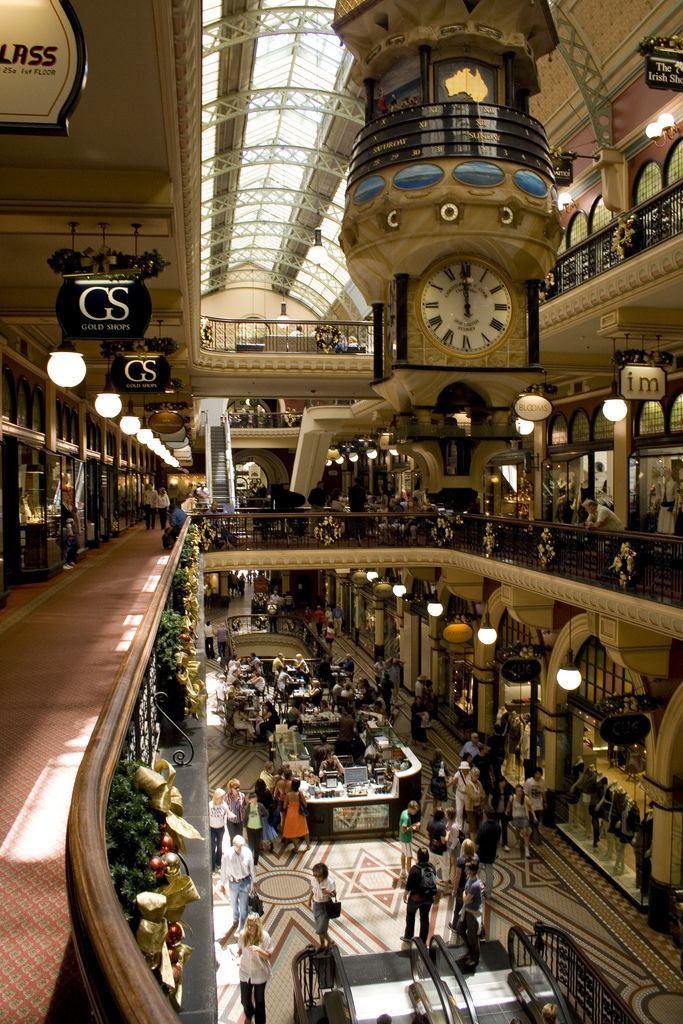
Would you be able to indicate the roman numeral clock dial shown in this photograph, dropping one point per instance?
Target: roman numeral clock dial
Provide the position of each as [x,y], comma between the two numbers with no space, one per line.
[465,306]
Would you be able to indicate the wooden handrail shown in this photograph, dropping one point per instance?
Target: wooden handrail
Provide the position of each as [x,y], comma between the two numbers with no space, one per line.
[120,985]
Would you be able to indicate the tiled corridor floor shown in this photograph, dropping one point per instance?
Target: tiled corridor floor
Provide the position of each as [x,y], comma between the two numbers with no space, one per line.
[555,886]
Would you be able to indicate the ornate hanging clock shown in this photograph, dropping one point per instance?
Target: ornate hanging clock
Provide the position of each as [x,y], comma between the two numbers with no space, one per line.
[465,305]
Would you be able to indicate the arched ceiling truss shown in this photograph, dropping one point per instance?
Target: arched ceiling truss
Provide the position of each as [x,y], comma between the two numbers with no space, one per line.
[279,121]
[578,54]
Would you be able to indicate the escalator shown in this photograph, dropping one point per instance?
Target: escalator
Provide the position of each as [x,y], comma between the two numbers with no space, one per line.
[532,980]
[404,985]
[428,986]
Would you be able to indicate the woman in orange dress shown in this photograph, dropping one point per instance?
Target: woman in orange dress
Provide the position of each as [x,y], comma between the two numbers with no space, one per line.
[296,822]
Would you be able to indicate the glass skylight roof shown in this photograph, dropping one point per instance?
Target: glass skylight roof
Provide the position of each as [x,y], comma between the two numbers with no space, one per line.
[269,176]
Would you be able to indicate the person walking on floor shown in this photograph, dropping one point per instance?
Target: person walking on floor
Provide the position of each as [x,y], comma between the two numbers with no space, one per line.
[408,824]
[521,816]
[296,816]
[467,852]
[236,803]
[255,949]
[238,874]
[486,842]
[437,830]
[163,502]
[438,784]
[498,802]
[257,816]
[149,505]
[208,639]
[322,891]
[217,813]
[419,896]
[469,921]
[221,640]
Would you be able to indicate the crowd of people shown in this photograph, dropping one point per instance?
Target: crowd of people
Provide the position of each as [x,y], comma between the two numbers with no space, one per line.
[463,837]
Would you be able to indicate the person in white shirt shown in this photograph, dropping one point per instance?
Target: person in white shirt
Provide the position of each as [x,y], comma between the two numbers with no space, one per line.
[255,949]
[163,502]
[217,813]
[459,781]
[238,873]
[323,890]
[149,504]
[536,790]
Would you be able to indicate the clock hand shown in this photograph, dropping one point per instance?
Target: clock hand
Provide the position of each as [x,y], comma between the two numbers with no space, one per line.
[464,276]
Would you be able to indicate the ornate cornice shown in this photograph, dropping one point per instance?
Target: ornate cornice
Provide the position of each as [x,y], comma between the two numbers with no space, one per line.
[590,597]
[633,279]
[285,362]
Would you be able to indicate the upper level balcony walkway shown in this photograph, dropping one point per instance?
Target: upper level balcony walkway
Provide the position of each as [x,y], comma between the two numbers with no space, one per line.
[589,568]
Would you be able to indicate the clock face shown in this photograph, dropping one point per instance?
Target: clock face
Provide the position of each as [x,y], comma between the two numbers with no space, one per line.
[465,305]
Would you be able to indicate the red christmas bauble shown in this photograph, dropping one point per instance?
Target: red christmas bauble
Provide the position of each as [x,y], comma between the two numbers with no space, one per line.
[167,843]
[158,867]
[174,934]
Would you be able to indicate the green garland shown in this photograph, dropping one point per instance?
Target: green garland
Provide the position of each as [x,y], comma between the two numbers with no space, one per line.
[132,837]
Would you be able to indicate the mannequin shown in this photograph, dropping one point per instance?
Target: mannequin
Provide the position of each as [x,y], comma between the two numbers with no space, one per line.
[525,746]
[604,809]
[628,826]
[596,795]
[574,793]
[513,738]
[666,493]
[618,811]
[585,785]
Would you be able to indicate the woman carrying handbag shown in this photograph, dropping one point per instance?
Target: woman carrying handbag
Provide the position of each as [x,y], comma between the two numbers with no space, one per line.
[323,899]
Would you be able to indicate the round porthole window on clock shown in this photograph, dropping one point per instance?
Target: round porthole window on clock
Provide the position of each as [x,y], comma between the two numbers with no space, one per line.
[532,184]
[478,172]
[368,189]
[418,176]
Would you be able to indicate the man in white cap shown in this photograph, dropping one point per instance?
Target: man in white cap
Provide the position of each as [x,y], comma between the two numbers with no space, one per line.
[459,781]
[239,873]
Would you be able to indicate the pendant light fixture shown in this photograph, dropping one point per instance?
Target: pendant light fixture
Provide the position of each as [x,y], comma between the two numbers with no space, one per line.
[108,403]
[399,589]
[283,312]
[130,423]
[434,606]
[66,367]
[316,253]
[487,634]
[568,675]
[614,408]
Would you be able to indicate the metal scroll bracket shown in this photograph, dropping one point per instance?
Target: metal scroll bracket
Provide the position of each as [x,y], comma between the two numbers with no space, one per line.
[179,757]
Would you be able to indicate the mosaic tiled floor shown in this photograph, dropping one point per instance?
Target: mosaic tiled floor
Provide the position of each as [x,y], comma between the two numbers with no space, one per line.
[555,886]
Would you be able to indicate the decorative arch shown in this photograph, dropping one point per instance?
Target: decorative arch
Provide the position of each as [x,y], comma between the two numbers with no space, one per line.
[649,419]
[602,429]
[557,430]
[673,165]
[579,426]
[648,182]
[271,464]
[24,404]
[599,216]
[676,413]
[9,395]
[577,229]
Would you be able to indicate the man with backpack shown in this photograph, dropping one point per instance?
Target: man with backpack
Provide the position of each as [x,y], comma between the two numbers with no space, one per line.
[419,896]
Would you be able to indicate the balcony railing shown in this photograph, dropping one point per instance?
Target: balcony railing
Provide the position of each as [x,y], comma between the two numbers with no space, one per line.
[298,337]
[579,554]
[658,219]
[121,988]
[269,420]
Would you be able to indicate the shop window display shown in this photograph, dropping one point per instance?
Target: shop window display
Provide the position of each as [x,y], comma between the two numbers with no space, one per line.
[605,812]
[656,486]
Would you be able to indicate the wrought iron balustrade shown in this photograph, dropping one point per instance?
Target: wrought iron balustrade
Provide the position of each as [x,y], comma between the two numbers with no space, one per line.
[658,219]
[298,337]
[586,990]
[261,419]
[585,555]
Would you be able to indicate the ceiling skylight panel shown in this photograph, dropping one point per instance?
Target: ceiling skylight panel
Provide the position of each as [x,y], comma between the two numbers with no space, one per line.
[261,128]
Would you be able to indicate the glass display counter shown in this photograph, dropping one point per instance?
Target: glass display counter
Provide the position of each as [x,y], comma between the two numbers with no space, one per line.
[39,498]
[290,750]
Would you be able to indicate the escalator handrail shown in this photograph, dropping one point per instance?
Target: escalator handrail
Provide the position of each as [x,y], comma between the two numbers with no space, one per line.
[438,943]
[418,950]
[343,982]
[516,932]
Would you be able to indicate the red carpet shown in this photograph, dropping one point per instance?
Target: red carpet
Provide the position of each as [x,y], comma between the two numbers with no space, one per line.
[60,648]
